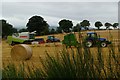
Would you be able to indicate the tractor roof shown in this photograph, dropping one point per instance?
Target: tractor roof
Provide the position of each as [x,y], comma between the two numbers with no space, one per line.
[91,32]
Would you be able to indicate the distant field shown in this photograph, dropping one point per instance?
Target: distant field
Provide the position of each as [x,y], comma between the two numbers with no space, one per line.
[103,33]
[111,35]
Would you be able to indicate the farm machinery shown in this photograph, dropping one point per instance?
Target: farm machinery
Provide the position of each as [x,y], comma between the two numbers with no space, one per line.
[29,38]
[70,40]
[23,37]
[52,39]
[92,39]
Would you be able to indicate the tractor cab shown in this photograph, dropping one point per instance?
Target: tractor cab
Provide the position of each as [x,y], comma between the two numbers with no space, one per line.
[52,39]
[31,35]
[92,34]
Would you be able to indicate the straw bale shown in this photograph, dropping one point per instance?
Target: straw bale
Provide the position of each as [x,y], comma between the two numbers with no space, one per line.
[21,52]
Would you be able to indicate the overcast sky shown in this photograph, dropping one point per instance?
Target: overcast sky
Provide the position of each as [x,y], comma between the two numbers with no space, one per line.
[18,13]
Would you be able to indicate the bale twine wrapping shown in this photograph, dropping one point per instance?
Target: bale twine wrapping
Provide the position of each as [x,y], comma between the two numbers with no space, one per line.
[21,52]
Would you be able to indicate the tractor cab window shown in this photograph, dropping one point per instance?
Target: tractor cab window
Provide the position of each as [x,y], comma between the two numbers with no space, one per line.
[50,37]
[92,35]
[88,35]
[31,36]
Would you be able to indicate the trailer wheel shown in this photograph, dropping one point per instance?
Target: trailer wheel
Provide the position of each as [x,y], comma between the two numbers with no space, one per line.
[88,44]
[103,44]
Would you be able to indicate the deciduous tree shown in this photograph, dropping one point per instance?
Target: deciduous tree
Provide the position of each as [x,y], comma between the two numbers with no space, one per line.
[77,28]
[38,24]
[98,24]
[85,24]
[7,29]
[115,25]
[107,25]
[65,25]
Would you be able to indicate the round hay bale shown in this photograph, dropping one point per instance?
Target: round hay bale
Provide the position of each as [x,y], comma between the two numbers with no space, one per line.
[21,52]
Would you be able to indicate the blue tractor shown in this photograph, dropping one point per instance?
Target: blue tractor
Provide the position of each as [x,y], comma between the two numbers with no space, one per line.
[51,39]
[93,39]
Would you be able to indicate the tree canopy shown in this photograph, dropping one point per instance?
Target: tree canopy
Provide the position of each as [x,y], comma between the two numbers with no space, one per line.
[7,29]
[85,24]
[107,25]
[65,25]
[59,30]
[115,25]
[23,30]
[98,24]
[38,24]
[77,28]
[52,31]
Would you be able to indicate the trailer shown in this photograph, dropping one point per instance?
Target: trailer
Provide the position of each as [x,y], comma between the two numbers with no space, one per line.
[70,40]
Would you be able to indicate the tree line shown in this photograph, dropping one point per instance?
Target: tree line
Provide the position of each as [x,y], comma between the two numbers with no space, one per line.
[38,24]
[7,29]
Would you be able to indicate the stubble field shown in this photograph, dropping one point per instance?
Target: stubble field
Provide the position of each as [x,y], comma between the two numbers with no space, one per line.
[54,49]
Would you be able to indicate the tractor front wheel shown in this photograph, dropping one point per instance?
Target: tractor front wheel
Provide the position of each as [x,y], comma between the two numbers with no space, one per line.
[103,44]
[88,44]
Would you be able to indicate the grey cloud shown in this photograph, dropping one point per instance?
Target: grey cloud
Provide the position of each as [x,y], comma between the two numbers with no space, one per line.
[19,13]
[60,0]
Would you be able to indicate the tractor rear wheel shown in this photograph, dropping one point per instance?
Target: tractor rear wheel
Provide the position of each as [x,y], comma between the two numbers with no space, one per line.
[88,44]
[103,44]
